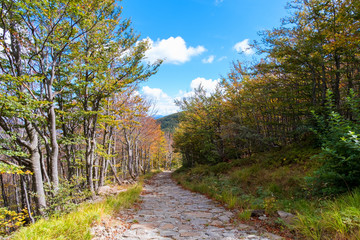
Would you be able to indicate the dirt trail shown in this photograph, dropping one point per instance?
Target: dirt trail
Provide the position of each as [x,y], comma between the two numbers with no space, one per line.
[168,211]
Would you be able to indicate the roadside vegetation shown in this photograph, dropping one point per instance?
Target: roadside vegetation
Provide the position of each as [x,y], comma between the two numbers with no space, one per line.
[76,225]
[71,120]
[278,180]
[282,133]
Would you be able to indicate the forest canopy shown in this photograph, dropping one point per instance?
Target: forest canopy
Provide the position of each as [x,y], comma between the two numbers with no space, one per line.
[309,71]
[70,120]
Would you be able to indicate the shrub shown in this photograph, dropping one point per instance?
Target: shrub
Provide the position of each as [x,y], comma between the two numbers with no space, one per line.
[66,199]
[219,168]
[76,225]
[10,220]
[340,156]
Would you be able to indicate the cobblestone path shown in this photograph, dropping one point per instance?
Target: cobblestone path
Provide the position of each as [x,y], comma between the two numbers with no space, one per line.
[168,211]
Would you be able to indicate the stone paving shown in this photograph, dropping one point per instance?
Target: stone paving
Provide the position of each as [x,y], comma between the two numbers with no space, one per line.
[168,211]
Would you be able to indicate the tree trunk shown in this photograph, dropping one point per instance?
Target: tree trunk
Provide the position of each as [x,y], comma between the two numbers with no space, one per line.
[130,161]
[3,193]
[89,156]
[26,197]
[38,181]
[54,157]
[336,84]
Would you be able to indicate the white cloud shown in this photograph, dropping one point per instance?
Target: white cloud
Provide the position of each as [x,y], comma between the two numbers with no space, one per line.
[222,58]
[208,85]
[172,50]
[217,2]
[210,59]
[155,93]
[244,47]
[164,103]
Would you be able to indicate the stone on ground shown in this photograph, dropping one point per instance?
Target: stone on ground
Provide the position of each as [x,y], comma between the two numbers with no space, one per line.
[168,211]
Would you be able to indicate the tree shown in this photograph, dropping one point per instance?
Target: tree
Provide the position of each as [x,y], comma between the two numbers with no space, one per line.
[62,63]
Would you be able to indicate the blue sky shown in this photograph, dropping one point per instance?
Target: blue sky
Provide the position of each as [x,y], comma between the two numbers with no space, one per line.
[198,40]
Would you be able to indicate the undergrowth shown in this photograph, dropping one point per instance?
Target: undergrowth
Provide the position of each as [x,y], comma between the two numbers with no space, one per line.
[77,224]
[335,219]
[274,181]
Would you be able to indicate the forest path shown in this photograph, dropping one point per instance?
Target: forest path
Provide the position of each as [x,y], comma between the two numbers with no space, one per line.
[168,211]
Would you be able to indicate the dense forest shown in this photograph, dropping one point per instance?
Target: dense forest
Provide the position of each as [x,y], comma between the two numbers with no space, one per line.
[70,116]
[169,123]
[307,84]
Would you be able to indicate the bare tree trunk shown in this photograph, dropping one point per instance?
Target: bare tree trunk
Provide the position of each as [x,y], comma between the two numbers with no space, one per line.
[105,162]
[54,157]
[336,84]
[26,198]
[17,199]
[3,193]
[89,164]
[115,175]
[136,159]
[130,161]
[38,180]
[114,158]
[123,162]
[46,177]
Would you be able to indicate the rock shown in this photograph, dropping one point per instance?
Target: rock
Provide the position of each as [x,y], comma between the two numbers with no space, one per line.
[243,226]
[224,218]
[168,233]
[167,226]
[199,214]
[216,223]
[167,211]
[258,213]
[214,235]
[272,236]
[136,226]
[104,190]
[185,227]
[189,234]
[263,218]
[229,234]
[288,218]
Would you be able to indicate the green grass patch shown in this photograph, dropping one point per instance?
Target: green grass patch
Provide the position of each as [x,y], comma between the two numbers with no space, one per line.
[264,180]
[244,215]
[77,224]
[274,181]
[335,219]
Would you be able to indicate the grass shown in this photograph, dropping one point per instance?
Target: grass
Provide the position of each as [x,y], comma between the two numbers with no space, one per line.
[277,181]
[264,181]
[244,215]
[76,225]
[336,219]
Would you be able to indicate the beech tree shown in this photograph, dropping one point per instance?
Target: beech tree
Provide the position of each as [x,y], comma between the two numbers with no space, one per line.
[63,64]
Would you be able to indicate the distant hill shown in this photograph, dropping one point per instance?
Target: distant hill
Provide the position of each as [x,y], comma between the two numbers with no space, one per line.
[169,123]
[158,116]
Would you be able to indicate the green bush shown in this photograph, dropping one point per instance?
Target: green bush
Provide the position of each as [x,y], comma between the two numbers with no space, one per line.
[66,199]
[219,168]
[340,156]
